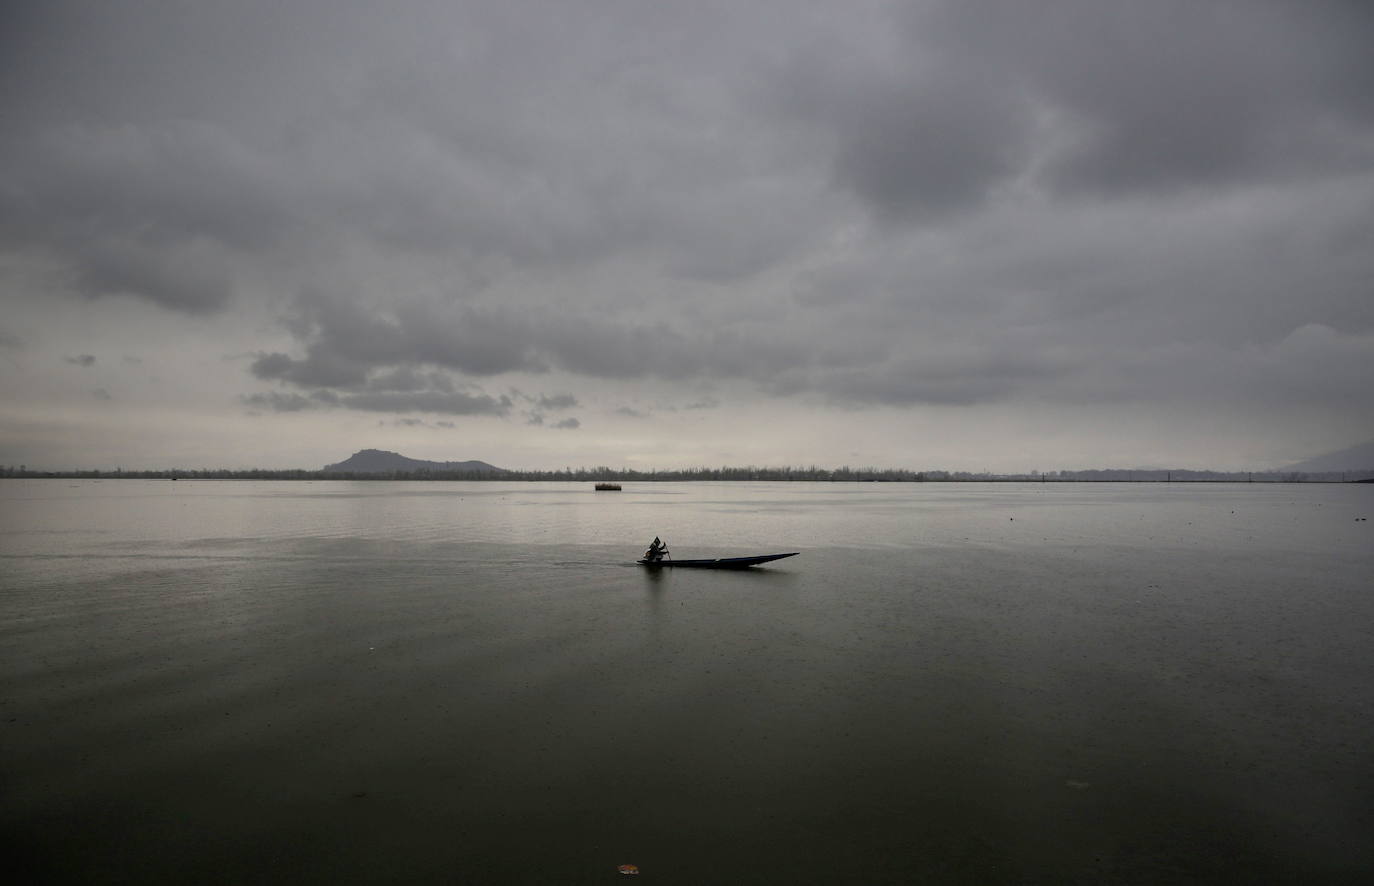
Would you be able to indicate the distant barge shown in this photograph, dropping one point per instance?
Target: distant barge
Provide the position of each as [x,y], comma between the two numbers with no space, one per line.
[608,487]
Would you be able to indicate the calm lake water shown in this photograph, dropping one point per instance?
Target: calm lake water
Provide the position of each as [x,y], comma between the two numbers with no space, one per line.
[277,682]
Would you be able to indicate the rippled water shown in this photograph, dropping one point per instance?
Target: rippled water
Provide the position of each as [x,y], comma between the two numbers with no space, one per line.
[1005,683]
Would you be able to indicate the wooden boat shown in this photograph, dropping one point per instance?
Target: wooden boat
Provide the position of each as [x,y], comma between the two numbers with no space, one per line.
[722,563]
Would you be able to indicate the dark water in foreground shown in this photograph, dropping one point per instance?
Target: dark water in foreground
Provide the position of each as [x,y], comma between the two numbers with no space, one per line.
[246,682]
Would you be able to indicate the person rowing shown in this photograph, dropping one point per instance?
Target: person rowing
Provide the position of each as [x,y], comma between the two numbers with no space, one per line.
[656,550]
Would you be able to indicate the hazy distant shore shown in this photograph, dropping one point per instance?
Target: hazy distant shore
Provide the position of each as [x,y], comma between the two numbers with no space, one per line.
[840,475]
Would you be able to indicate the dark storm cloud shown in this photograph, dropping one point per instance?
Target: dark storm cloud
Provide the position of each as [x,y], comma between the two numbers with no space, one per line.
[969,97]
[317,369]
[154,150]
[922,149]
[454,403]
[450,403]
[379,357]
[945,202]
[351,346]
[440,402]
[1174,94]
[556,401]
[157,212]
[543,403]
[345,339]
[186,280]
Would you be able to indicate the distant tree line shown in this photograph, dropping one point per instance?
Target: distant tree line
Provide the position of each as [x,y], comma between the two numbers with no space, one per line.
[812,474]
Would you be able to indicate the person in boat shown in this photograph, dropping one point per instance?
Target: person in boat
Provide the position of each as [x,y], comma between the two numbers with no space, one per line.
[656,550]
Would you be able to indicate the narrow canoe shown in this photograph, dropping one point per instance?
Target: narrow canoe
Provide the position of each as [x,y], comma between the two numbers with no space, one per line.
[723,563]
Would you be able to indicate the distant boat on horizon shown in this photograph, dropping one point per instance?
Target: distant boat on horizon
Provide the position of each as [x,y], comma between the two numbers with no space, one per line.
[608,487]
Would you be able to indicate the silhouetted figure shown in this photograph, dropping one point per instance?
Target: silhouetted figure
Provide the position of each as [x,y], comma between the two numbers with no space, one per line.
[656,551]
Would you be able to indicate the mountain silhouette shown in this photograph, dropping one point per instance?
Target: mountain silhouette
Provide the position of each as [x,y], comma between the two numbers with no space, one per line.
[379,461]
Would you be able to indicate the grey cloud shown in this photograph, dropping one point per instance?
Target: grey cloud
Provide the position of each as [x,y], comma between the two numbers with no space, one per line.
[556,401]
[476,145]
[621,350]
[949,380]
[666,349]
[455,403]
[101,394]
[545,402]
[157,213]
[406,379]
[1098,282]
[1171,94]
[962,101]
[352,347]
[1314,365]
[421,423]
[187,278]
[630,412]
[948,202]
[169,170]
[272,366]
[319,368]
[82,360]
[919,129]
[279,401]
[930,149]
[568,424]
[346,336]
[445,403]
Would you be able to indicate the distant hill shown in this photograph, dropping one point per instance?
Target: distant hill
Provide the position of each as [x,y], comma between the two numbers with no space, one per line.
[1356,458]
[379,461]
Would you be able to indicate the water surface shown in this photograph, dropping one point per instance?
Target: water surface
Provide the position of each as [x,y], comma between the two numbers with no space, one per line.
[279,682]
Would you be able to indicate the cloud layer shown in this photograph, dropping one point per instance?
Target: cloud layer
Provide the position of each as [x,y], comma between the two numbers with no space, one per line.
[1093,204]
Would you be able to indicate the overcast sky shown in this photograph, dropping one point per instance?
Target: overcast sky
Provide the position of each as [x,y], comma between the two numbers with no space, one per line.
[973,234]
